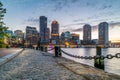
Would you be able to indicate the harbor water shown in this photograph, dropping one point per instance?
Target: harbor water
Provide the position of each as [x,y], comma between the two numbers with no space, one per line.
[111,65]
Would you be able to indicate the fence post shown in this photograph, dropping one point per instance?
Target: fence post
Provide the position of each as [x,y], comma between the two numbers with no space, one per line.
[45,49]
[99,62]
[57,51]
[41,48]
[37,48]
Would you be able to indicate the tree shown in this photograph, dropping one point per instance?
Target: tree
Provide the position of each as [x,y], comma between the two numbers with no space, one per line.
[3,28]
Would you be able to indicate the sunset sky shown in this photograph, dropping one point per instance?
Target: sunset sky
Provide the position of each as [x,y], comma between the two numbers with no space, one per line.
[71,14]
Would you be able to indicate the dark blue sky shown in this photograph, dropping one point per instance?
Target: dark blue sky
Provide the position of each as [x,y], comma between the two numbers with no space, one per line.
[71,14]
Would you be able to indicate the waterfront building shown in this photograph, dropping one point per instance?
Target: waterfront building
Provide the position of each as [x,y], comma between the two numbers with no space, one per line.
[62,38]
[30,31]
[55,32]
[10,32]
[43,28]
[67,35]
[31,35]
[95,41]
[47,34]
[86,32]
[103,34]
[19,36]
[75,38]
[11,40]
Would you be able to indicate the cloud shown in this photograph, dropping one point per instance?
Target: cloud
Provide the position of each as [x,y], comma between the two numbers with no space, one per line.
[77,20]
[68,25]
[33,20]
[59,5]
[95,27]
[103,7]
[62,4]
[114,24]
[74,1]
[77,30]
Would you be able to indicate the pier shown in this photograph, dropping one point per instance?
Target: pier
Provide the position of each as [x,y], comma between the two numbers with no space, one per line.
[34,64]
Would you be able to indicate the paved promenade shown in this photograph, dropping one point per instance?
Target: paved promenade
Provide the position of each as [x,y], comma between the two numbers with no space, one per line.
[37,65]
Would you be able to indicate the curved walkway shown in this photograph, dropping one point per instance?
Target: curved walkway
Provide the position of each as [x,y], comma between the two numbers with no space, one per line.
[37,65]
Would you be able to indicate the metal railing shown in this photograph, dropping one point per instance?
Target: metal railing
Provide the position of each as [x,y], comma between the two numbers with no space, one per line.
[50,49]
[109,56]
[98,59]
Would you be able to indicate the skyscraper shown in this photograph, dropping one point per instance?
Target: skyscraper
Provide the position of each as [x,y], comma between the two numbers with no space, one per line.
[30,31]
[47,34]
[103,33]
[43,27]
[86,32]
[31,35]
[55,32]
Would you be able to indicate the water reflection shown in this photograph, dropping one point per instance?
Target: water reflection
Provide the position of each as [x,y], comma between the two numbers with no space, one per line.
[111,65]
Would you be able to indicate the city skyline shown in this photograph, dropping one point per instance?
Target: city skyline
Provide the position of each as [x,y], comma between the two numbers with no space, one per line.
[72,15]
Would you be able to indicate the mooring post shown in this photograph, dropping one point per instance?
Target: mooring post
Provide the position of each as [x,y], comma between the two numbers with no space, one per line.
[45,49]
[99,61]
[57,51]
[41,48]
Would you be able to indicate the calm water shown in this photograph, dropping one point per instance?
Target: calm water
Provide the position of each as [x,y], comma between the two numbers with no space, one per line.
[111,65]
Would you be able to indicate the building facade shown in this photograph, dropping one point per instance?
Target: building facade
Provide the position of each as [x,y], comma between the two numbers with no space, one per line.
[43,28]
[86,32]
[55,32]
[47,34]
[31,36]
[11,40]
[103,34]
[67,35]
[19,36]
[74,36]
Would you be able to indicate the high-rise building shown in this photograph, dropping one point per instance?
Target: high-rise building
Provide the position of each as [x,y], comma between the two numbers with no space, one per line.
[43,28]
[47,34]
[19,36]
[55,32]
[30,31]
[31,35]
[103,34]
[86,32]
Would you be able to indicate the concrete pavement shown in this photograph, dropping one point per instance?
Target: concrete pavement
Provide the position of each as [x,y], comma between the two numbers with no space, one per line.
[8,54]
[37,65]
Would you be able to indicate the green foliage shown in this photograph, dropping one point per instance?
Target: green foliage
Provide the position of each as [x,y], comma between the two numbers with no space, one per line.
[2,45]
[3,28]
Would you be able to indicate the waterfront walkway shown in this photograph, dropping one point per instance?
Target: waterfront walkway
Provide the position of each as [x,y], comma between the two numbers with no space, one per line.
[37,65]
